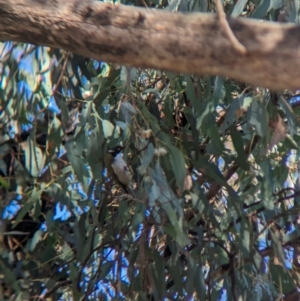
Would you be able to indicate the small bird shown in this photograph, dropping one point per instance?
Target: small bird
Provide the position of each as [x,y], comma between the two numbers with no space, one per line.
[118,169]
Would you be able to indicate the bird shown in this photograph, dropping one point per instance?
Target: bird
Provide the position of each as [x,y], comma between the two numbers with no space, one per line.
[117,169]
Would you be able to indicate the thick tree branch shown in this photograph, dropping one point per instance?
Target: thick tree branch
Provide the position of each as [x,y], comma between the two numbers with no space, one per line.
[193,43]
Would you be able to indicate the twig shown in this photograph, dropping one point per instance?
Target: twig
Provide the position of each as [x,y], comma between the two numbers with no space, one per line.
[61,73]
[55,288]
[224,24]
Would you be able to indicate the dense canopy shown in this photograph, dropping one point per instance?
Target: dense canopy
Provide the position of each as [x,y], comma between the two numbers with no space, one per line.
[215,210]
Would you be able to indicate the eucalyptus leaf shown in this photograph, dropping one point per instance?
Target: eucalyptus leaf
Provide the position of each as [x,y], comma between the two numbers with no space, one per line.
[178,166]
[238,8]
[147,158]
[9,276]
[258,117]
[38,236]
[238,145]
[34,158]
[262,9]
[245,237]
[108,128]
[105,269]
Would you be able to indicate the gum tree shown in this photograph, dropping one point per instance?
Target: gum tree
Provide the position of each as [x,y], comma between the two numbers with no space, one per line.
[214,215]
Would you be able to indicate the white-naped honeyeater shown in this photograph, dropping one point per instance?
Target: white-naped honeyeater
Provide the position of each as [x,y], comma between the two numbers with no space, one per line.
[118,170]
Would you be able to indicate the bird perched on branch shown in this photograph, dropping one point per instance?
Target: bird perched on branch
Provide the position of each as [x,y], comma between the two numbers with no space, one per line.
[118,170]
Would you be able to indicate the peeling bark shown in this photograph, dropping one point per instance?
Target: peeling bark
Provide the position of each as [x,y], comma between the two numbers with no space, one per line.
[186,43]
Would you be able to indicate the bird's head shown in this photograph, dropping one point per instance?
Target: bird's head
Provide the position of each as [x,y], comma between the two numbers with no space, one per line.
[115,151]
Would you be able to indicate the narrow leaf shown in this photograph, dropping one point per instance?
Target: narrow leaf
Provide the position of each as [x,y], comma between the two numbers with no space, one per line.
[238,145]
[178,165]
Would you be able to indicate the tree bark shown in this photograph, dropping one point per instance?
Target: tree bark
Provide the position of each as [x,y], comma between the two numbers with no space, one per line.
[187,43]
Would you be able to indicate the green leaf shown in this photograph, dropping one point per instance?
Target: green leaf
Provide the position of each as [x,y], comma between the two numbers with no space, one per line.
[245,237]
[25,209]
[50,283]
[147,158]
[75,151]
[262,9]
[170,204]
[266,185]
[199,283]
[127,111]
[88,245]
[207,109]
[80,235]
[170,75]
[154,193]
[197,200]
[104,85]
[67,252]
[105,269]
[4,183]
[178,165]
[31,80]
[292,119]
[159,177]
[276,4]
[216,146]
[76,296]
[239,105]
[290,143]
[168,110]
[94,153]
[173,5]
[158,269]
[238,8]
[294,12]
[191,95]
[176,229]
[190,279]
[170,230]
[54,136]
[175,272]
[38,236]
[258,117]
[281,278]
[195,134]
[22,296]
[64,113]
[239,147]
[107,128]
[9,276]
[139,216]
[219,91]
[34,158]
[212,171]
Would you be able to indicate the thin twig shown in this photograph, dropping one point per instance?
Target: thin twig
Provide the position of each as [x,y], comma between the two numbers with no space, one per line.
[61,73]
[55,288]
[224,24]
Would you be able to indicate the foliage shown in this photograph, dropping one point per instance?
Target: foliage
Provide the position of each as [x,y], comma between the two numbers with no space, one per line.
[214,164]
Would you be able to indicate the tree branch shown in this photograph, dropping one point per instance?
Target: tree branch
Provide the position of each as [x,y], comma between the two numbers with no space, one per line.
[193,43]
